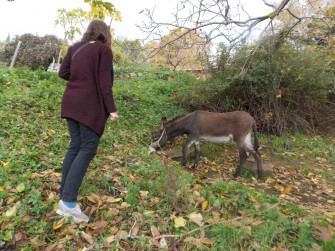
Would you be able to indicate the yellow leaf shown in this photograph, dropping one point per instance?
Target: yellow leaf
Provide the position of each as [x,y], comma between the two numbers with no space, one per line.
[1,189]
[196,193]
[12,211]
[253,199]
[195,216]
[330,201]
[125,205]
[272,15]
[110,239]
[144,193]
[5,163]
[278,187]
[59,224]
[204,205]
[51,196]
[286,190]
[179,222]
[57,174]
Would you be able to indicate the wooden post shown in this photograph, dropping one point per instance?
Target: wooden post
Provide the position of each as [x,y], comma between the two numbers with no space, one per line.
[59,56]
[15,54]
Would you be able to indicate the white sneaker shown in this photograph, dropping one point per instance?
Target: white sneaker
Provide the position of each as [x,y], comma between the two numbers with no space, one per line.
[76,212]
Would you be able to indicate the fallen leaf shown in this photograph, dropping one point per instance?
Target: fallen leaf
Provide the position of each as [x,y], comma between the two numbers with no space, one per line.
[121,235]
[325,234]
[179,222]
[12,211]
[88,238]
[59,224]
[144,193]
[286,190]
[110,239]
[162,244]
[94,198]
[154,231]
[20,188]
[204,205]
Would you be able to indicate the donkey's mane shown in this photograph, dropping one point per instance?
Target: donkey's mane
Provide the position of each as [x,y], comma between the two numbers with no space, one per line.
[175,118]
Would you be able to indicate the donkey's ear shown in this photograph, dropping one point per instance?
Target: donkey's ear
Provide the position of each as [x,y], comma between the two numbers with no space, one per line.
[163,119]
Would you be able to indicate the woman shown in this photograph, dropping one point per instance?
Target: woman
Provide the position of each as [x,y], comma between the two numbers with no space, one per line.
[86,105]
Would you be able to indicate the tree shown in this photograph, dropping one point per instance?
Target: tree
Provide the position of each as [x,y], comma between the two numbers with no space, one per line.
[128,52]
[186,53]
[73,21]
[212,19]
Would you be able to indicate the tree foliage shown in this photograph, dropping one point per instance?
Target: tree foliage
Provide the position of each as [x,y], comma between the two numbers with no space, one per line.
[285,86]
[185,53]
[74,21]
[128,52]
[35,52]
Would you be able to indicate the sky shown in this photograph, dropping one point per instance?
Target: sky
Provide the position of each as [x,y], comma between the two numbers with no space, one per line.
[38,16]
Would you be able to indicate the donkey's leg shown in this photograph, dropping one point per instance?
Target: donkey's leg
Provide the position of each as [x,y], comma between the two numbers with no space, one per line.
[243,157]
[186,145]
[196,154]
[258,159]
[255,154]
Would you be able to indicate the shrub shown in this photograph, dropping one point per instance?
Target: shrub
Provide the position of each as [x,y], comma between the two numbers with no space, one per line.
[35,52]
[283,86]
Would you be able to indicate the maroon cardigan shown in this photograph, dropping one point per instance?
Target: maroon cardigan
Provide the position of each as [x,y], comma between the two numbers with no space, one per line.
[88,97]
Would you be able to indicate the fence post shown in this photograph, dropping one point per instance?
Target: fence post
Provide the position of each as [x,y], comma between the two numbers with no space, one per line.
[59,56]
[15,54]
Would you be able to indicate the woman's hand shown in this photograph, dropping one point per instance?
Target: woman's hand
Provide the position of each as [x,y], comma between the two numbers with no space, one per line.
[113,116]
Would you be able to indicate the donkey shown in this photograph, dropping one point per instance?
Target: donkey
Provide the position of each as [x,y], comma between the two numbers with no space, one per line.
[214,128]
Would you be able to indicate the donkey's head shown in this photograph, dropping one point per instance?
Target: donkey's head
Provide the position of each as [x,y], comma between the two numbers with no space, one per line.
[160,138]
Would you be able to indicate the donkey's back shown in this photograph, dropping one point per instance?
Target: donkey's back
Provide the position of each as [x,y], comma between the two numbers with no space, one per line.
[221,127]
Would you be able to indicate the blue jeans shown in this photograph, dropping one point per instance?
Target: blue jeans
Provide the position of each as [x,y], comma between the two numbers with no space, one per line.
[83,147]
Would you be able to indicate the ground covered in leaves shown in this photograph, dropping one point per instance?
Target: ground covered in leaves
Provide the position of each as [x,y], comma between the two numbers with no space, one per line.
[140,201]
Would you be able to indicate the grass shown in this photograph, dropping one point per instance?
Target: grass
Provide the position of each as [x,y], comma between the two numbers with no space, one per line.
[149,190]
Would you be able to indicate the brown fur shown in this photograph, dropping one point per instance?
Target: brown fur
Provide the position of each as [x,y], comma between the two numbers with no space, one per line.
[212,127]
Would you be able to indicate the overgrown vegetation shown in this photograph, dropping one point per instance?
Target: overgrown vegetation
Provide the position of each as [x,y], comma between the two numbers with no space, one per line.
[285,85]
[35,52]
[135,198]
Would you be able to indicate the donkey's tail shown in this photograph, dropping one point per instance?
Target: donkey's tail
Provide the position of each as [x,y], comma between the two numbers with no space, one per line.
[256,143]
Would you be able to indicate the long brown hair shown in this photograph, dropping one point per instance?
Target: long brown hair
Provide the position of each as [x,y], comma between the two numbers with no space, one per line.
[98,30]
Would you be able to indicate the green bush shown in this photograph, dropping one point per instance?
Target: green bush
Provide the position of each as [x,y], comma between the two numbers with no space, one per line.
[285,87]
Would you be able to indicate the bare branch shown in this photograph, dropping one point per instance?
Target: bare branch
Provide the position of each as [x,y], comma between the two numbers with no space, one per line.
[212,19]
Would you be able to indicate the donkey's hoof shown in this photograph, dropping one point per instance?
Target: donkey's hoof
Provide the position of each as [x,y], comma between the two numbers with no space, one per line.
[235,175]
[194,166]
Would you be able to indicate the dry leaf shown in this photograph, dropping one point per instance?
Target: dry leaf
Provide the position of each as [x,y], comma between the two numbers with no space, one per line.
[59,224]
[144,193]
[325,234]
[154,231]
[286,190]
[88,238]
[207,241]
[97,228]
[94,198]
[111,199]
[12,211]
[121,235]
